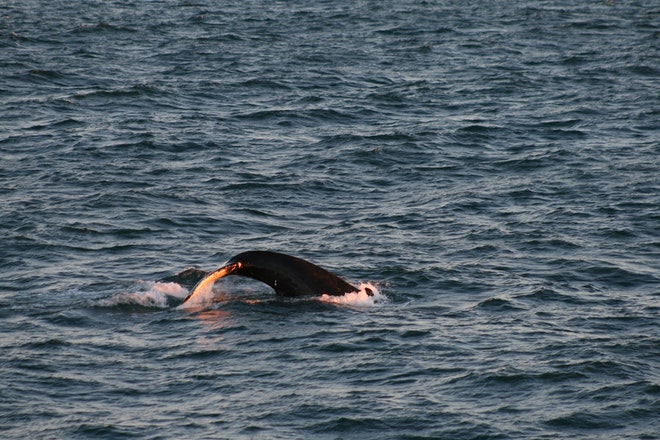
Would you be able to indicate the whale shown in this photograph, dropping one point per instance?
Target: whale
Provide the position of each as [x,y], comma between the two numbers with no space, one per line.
[188,278]
[287,275]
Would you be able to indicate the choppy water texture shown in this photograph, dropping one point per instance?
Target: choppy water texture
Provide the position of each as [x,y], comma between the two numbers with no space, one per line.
[491,166]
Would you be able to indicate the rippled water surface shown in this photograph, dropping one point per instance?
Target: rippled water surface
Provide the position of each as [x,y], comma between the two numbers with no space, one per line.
[492,167]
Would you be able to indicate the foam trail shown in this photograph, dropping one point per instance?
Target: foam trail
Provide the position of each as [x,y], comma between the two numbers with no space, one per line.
[368,295]
[156,295]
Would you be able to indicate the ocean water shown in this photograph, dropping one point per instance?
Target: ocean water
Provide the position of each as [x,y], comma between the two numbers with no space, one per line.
[491,168]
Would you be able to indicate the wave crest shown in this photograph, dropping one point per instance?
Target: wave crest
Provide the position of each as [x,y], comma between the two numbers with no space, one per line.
[154,295]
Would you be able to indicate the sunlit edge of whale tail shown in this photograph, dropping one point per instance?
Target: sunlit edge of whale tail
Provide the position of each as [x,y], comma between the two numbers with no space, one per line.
[205,285]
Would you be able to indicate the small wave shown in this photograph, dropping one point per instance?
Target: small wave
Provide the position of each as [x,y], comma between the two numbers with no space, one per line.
[155,295]
[497,304]
[368,295]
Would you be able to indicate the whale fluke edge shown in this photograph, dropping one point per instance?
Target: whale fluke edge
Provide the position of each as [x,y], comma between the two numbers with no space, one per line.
[287,275]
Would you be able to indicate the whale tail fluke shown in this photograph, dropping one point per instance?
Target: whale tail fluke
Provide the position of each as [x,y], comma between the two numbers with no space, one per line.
[287,275]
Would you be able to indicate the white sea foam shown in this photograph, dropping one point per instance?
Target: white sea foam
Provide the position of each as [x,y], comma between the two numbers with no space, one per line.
[154,294]
[368,295]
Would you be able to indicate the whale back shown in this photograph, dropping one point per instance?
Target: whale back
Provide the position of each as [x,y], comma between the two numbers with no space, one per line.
[187,278]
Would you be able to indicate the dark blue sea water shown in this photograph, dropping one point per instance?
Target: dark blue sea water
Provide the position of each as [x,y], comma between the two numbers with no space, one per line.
[492,167]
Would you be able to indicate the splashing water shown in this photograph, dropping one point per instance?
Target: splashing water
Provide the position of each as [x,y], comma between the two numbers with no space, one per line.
[159,295]
[368,295]
[203,298]
[155,295]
